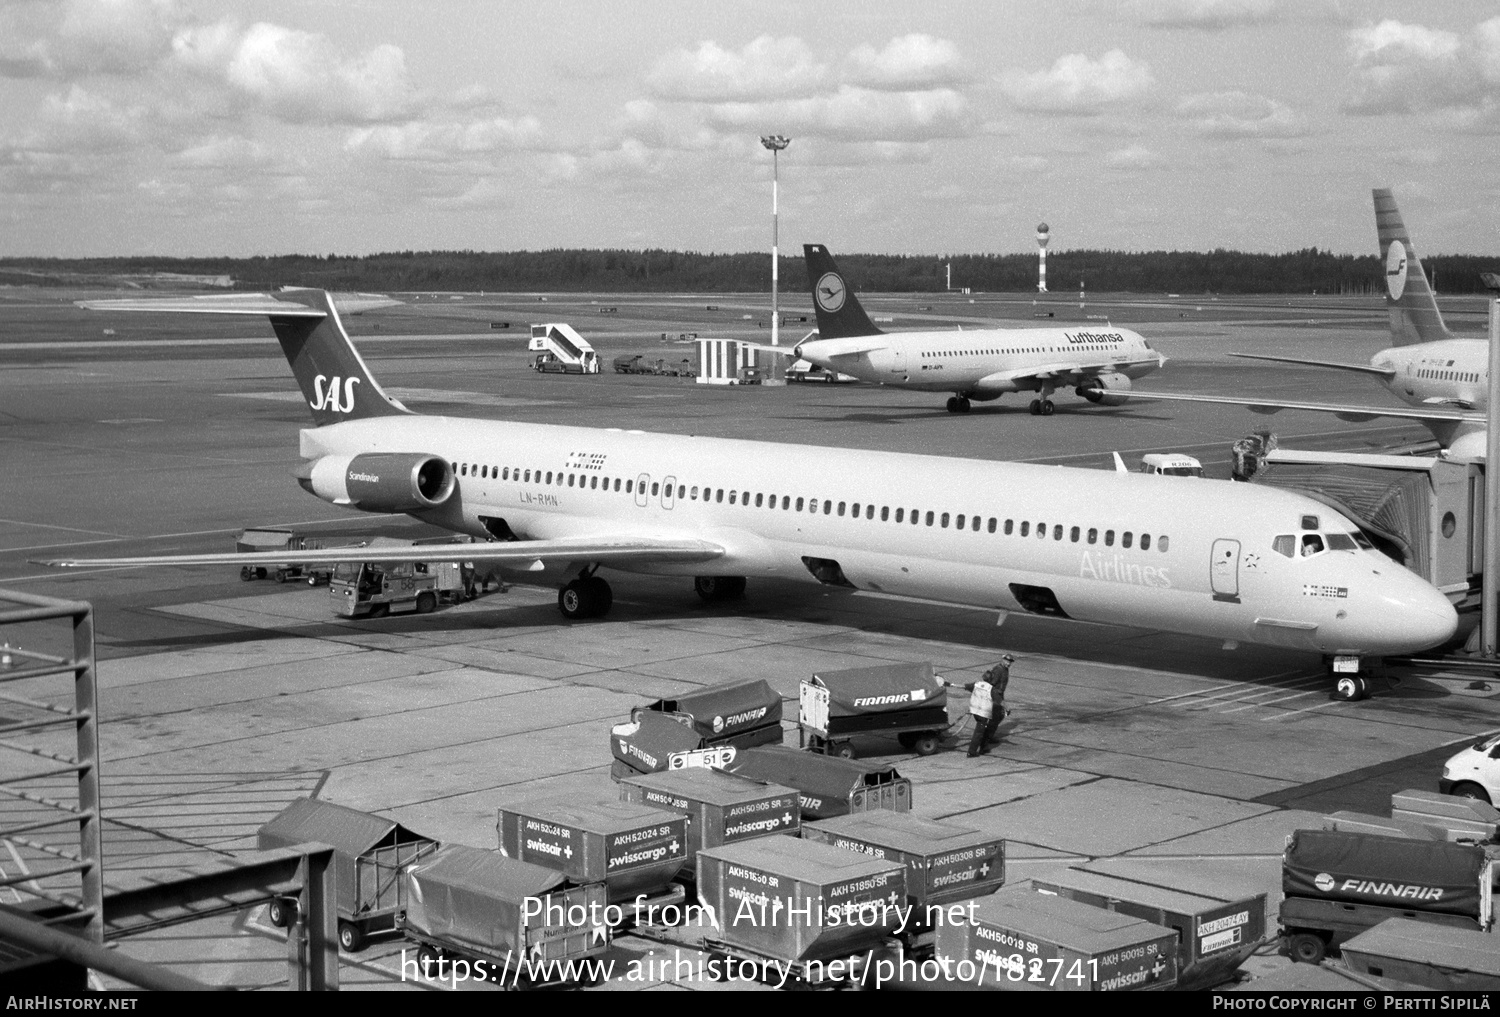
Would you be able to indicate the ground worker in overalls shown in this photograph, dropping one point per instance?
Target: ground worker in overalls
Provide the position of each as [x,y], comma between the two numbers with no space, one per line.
[987,704]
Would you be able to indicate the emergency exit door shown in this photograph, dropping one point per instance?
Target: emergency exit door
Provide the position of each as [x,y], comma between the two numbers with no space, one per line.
[1224,569]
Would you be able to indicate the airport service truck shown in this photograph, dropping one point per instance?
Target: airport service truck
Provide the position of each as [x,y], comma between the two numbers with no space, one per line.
[561,350]
[1336,884]
[366,588]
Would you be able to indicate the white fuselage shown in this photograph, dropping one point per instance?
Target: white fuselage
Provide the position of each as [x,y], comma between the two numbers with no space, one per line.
[986,363]
[1451,372]
[997,535]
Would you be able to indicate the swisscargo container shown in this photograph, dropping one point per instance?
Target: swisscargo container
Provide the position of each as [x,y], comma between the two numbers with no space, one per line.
[793,900]
[1431,956]
[1215,934]
[630,848]
[1021,939]
[944,862]
[739,715]
[826,785]
[721,808]
[483,906]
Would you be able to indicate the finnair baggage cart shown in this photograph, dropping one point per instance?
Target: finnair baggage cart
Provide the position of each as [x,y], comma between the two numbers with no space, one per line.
[634,850]
[906,700]
[736,715]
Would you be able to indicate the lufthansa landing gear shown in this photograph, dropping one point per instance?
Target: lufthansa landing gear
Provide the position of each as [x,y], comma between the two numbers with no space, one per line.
[588,596]
[958,404]
[1042,407]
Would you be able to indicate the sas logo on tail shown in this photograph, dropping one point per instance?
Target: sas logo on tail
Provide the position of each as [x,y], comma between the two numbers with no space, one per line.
[329,400]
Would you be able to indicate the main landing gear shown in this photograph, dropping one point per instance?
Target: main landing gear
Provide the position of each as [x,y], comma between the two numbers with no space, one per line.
[588,596]
[958,404]
[1042,407]
[715,588]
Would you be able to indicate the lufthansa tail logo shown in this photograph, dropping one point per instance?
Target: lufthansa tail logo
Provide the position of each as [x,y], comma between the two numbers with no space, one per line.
[830,292]
[329,400]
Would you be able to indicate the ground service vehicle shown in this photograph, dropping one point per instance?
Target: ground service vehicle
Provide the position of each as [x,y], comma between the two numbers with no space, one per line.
[365,588]
[1337,884]
[801,370]
[901,699]
[1474,772]
[262,538]
[561,350]
[1170,464]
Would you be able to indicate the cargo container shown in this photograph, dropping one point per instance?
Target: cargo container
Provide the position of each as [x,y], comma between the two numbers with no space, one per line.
[1359,822]
[721,808]
[944,862]
[1215,934]
[796,902]
[1427,955]
[1336,885]
[901,699]
[465,902]
[827,786]
[738,715]
[1022,939]
[368,852]
[632,849]
[1307,978]
[1456,818]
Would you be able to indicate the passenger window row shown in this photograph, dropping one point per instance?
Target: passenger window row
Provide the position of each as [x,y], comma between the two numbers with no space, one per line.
[825,506]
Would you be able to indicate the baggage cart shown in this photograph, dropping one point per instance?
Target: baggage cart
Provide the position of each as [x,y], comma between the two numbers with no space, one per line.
[1215,934]
[517,924]
[268,538]
[634,850]
[1336,885]
[801,905]
[901,699]
[1427,955]
[1024,940]
[721,808]
[1456,818]
[827,786]
[369,854]
[1360,822]
[945,862]
[736,715]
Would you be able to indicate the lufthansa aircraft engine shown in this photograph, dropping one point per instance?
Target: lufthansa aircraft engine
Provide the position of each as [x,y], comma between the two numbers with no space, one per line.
[380,481]
[1106,390]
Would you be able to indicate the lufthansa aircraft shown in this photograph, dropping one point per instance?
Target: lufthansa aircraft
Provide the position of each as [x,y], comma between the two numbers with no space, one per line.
[1445,380]
[1232,562]
[984,364]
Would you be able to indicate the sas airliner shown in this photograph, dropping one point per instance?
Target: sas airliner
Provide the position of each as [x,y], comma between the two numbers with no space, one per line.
[1231,562]
[981,364]
[1444,379]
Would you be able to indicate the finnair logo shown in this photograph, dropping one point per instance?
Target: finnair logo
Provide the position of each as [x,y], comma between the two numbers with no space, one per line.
[1395,269]
[329,400]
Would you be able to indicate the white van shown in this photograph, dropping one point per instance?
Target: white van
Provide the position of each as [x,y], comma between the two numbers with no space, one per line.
[1474,772]
[1170,464]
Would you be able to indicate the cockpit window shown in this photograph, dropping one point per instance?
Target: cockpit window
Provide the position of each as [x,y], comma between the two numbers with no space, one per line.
[1286,544]
[1312,544]
[1361,540]
[1340,542]
[1309,522]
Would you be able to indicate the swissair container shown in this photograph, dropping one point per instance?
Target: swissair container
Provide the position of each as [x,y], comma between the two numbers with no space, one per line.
[944,862]
[1021,939]
[481,905]
[793,900]
[630,848]
[1215,934]
[721,808]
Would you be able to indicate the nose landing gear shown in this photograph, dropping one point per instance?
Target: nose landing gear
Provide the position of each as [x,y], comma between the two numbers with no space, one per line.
[1351,682]
[588,596]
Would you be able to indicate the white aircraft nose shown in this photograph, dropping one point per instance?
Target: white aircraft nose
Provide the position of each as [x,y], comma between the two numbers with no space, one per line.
[1410,615]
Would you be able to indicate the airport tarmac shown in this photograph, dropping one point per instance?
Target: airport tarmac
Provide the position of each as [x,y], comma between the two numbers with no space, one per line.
[1138,753]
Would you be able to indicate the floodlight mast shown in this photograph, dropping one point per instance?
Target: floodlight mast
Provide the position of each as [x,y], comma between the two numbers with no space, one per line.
[775,142]
[1489,598]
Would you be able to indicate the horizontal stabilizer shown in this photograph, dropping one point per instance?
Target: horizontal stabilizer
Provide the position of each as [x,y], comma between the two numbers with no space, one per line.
[1379,372]
[265,304]
[518,554]
[1343,412]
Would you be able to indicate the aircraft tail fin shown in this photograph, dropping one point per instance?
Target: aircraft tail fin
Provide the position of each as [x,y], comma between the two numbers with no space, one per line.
[840,315]
[333,377]
[1415,317]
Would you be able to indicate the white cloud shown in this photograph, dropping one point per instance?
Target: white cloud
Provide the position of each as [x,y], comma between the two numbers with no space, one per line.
[1405,68]
[765,68]
[224,152]
[299,76]
[446,140]
[1241,115]
[908,63]
[855,114]
[80,37]
[1076,84]
[1134,157]
[1205,15]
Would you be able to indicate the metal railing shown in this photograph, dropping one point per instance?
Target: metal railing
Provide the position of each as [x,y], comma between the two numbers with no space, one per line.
[39,803]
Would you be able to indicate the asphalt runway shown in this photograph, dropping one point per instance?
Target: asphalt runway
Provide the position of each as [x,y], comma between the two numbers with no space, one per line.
[1133,752]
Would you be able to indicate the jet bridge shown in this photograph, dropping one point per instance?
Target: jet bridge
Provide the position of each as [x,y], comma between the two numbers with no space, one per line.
[1426,512]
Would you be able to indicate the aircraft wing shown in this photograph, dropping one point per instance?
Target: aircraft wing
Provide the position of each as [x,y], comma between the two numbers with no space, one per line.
[521,555]
[261,304]
[1379,372]
[1071,370]
[1354,414]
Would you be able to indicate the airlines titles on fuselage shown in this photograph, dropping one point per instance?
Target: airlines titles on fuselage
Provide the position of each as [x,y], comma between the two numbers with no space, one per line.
[1093,337]
[1115,569]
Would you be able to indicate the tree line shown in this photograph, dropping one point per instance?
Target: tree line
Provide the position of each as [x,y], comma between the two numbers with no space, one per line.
[564,270]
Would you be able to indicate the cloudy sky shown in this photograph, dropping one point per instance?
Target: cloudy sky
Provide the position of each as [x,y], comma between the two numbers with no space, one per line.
[201,127]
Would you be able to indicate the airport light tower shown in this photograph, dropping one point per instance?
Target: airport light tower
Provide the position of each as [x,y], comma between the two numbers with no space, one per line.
[1043,234]
[775,142]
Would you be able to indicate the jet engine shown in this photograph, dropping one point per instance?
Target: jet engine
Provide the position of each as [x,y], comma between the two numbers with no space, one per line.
[1106,390]
[380,481]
